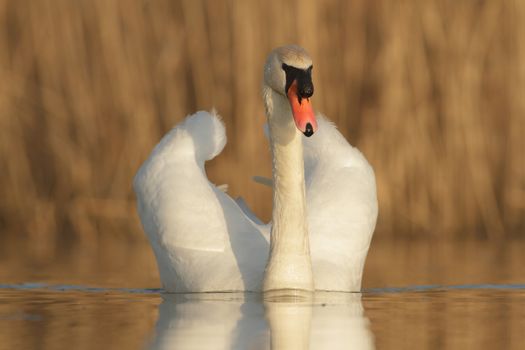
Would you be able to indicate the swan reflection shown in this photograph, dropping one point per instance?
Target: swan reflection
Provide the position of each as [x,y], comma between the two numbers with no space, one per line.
[244,321]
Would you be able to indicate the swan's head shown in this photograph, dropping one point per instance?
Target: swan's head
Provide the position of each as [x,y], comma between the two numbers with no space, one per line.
[288,72]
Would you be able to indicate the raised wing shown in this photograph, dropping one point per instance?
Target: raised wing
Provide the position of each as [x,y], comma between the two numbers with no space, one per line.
[176,202]
[199,234]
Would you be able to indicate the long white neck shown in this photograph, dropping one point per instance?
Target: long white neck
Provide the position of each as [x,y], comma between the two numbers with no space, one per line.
[289,265]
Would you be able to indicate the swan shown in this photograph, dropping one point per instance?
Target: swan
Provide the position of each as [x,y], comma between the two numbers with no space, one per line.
[324,199]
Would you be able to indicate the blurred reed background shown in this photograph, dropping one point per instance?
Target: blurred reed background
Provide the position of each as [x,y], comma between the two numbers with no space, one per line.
[432,92]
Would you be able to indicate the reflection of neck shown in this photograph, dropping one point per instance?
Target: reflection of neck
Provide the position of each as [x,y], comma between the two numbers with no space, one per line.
[289,266]
[289,324]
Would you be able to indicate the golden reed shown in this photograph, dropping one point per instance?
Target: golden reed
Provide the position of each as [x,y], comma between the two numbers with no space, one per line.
[431,92]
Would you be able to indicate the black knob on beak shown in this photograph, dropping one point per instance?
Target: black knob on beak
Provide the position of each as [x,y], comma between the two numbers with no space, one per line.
[306,89]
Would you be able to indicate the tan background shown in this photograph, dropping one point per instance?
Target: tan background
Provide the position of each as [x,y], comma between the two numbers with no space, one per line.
[431,91]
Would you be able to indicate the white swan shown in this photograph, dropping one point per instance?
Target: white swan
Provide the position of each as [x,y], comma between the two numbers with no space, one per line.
[324,203]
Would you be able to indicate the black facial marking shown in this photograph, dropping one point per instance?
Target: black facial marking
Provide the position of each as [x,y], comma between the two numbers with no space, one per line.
[305,87]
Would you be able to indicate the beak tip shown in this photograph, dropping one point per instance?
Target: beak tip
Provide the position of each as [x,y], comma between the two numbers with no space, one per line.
[309,130]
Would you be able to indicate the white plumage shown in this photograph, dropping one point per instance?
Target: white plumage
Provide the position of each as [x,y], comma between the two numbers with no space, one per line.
[203,240]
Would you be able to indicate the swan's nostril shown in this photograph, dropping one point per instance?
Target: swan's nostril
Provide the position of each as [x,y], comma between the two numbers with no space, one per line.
[309,130]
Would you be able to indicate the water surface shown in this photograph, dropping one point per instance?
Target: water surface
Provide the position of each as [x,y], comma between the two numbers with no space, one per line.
[416,296]
[459,317]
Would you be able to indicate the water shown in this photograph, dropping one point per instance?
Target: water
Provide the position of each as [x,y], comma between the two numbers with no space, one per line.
[65,317]
[101,305]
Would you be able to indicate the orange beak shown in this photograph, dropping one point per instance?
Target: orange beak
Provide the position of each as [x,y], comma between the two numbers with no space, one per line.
[303,114]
